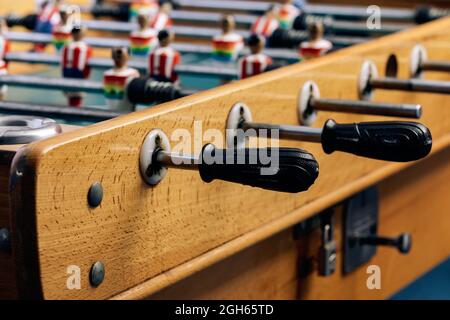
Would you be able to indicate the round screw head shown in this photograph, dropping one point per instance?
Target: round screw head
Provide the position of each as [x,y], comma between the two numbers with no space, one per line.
[95,194]
[97,274]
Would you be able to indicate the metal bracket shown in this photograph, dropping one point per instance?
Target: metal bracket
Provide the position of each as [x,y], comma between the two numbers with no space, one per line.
[326,257]
[360,220]
[327,250]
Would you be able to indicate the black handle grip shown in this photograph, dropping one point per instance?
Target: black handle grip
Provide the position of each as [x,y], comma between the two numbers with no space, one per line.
[120,12]
[147,90]
[277,169]
[426,14]
[391,141]
[283,38]
[301,22]
[29,22]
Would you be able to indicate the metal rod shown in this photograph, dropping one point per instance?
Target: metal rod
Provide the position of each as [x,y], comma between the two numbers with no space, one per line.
[367,107]
[168,159]
[360,28]
[431,65]
[180,31]
[194,32]
[287,131]
[245,20]
[336,27]
[57,112]
[343,12]
[142,65]
[374,240]
[37,82]
[70,85]
[415,85]
[185,48]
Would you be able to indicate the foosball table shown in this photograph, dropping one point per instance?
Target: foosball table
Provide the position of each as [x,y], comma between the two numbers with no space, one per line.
[222,149]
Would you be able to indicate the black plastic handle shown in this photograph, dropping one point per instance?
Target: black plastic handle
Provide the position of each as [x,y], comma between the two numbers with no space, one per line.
[120,12]
[147,91]
[426,14]
[29,22]
[391,141]
[289,170]
[301,22]
[284,38]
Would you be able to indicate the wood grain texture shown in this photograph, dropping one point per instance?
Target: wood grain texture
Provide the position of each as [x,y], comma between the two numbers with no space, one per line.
[148,237]
[8,286]
[273,268]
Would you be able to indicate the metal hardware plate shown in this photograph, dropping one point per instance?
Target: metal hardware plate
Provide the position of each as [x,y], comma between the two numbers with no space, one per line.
[360,219]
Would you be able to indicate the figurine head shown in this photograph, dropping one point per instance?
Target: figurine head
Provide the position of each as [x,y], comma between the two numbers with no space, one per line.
[3,26]
[315,30]
[78,33]
[270,12]
[228,24]
[256,43]
[165,37]
[120,57]
[166,7]
[142,20]
[64,14]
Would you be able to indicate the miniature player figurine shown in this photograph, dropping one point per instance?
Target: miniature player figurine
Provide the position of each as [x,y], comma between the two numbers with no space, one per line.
[164,59]
[75,63]
[266,24]
[316,46]
[4,48]
[286,13]
[143,40]
[145,7]
[256,62]
[161,20]
[116,80]
[228,45]
[48,18]
[4,43]
[62,33]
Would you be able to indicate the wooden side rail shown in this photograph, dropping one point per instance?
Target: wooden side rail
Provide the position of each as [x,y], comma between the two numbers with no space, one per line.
[150,237]
[281,267]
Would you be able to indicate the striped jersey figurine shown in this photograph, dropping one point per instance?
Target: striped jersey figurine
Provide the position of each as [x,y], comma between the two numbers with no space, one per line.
[286,13]
[4,43]
[75,63]
[47,19]
[164,59]
[228,45]
[316,46]
[143,40]
[62,33]
[116,80]
[161,20]
[266,24]
[4,48]
[145,7]
[256,62]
